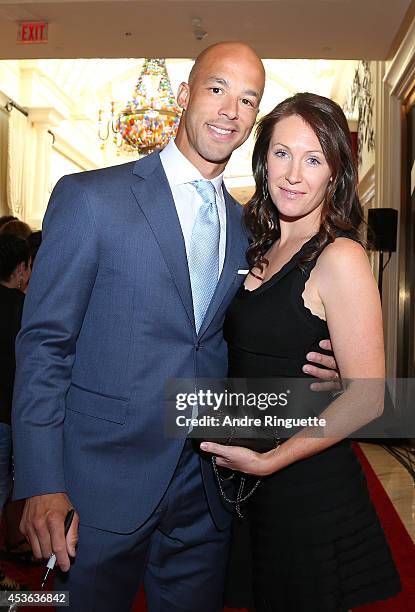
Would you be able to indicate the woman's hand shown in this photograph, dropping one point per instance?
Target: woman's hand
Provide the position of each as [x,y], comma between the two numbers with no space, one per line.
[241,459]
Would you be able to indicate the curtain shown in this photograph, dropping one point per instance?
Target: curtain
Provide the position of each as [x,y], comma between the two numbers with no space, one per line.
[17,142]
[40,185]
[4,137]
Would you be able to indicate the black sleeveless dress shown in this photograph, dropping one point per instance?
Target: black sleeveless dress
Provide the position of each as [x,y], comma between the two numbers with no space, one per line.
[310,540]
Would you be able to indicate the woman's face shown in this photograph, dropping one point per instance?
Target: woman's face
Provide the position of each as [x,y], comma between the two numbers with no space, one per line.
[298,173]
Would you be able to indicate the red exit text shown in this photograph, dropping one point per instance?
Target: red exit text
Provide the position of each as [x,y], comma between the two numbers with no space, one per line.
[32,32]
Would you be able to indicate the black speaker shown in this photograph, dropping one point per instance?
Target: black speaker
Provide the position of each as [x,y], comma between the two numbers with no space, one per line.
[382,230]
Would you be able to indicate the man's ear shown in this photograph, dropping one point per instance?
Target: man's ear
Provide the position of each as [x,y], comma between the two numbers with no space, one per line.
[183,95]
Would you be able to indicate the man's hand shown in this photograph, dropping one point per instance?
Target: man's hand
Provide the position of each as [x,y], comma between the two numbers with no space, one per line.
[330,375]
[43,525]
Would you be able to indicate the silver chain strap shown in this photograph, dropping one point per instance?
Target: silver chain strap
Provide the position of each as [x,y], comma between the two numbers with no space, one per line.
[240,497]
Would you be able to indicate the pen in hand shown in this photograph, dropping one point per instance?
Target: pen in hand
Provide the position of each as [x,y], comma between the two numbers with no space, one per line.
[52,559]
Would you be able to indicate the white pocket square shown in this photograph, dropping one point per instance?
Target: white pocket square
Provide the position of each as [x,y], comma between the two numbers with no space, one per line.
[243,271]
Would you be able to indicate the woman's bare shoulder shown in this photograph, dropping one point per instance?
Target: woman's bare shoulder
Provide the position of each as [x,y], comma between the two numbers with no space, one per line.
[343,252]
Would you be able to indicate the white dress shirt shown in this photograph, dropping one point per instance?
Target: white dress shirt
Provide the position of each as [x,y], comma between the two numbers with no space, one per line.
[180,173]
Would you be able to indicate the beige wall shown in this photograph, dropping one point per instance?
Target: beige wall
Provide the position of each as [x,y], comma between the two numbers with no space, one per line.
[393,80]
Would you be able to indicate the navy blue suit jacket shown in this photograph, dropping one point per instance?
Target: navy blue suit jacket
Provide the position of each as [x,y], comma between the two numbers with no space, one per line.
[108,318]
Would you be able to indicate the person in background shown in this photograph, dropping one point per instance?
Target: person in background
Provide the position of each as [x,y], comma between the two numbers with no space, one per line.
[14,276]
[16,228]
[16,548]
[6,218]
[34,241]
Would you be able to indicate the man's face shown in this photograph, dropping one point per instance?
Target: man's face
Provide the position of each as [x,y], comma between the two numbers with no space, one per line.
[221,105]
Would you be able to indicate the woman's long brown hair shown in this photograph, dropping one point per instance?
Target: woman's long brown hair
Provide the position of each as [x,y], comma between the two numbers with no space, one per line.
[341,212]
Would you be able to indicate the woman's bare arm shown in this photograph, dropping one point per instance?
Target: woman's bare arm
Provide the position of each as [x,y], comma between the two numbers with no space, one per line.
[351,301]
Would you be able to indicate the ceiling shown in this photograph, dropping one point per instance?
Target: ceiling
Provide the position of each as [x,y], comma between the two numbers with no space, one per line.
[330,29]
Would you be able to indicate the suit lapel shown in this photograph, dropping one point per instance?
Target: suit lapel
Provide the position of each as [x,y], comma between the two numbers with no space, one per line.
[155,199]
[232,259]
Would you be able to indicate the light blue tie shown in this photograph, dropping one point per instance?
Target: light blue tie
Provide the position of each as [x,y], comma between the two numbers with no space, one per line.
[204,251]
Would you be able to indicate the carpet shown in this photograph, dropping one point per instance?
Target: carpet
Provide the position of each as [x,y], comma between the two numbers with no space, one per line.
[403,550]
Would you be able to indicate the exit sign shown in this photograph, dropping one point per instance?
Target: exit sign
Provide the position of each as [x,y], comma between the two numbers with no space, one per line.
[32,32]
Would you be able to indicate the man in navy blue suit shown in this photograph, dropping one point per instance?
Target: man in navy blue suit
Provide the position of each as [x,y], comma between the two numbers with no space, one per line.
[114,309]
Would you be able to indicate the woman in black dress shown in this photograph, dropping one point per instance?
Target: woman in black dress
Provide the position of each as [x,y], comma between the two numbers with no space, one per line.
[315,543]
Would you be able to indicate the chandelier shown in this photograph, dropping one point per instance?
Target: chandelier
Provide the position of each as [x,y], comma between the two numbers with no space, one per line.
[150,119]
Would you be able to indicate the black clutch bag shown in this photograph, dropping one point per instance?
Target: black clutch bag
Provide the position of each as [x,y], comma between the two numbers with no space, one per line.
[223,428]
[235,430]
